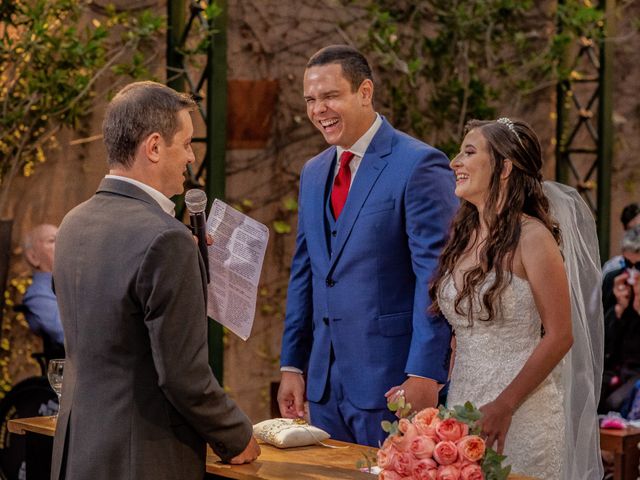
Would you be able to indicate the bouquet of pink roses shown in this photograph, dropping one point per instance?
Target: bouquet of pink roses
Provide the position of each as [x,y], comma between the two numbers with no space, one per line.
[437,444]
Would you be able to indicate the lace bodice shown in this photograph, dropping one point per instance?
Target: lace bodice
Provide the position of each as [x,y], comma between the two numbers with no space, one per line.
[489,354]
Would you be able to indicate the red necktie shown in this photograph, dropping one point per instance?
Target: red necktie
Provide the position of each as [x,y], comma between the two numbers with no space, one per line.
[341,184]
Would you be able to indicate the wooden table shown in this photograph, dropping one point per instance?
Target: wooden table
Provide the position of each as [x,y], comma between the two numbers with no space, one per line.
[303,463]
[624,445]
[38,433]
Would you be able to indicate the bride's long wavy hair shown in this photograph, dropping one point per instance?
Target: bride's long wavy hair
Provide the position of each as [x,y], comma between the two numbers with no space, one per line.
[522,194]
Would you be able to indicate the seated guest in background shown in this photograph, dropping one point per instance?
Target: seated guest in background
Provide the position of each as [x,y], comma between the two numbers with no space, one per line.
[40,301]
[630,217]
[139,399]
[621,302]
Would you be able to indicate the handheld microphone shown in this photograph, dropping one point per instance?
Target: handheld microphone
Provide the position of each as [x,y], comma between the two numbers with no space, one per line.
[196,201]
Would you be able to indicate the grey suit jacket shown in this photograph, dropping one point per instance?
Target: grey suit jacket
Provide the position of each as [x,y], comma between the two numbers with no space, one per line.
[139,400]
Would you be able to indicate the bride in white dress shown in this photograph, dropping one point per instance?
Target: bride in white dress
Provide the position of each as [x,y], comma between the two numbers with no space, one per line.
[502,285]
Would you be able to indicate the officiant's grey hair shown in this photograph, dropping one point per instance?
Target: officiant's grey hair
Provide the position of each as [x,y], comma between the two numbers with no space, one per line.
[137,111]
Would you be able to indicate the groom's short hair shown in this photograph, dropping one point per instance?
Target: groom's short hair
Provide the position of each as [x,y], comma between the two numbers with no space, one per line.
[355,67]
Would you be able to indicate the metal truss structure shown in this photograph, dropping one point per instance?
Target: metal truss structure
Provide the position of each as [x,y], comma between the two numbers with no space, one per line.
[584,148]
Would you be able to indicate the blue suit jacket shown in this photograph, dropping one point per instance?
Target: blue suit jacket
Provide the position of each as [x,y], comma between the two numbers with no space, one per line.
[42,309]
[368,298]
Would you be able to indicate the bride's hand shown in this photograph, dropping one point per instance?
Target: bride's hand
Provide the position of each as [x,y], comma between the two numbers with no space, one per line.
[495,422]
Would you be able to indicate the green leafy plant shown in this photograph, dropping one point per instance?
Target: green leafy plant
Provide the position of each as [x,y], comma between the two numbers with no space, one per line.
[52,55]
[50,62]
[443,63]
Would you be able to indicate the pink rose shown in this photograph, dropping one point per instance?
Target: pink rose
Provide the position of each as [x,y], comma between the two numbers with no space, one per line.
[445,453]
[451,429]
[471,472]
[403,464]
[471,448]
[461,462]
[426,421]
[422,447]
[389,475]
[425,469]
[388,442]
[448,472]
[402,442]
[386,455]
[403,425]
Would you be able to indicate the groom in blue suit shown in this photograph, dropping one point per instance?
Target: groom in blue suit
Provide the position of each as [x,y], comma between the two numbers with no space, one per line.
[374,211]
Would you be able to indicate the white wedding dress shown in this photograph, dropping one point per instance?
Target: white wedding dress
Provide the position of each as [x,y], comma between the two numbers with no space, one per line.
[489,354]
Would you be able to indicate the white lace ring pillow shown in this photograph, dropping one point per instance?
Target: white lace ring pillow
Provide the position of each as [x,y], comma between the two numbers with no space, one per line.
[288,432]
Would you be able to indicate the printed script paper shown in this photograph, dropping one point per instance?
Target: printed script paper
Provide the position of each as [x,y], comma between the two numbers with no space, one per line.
[235,262]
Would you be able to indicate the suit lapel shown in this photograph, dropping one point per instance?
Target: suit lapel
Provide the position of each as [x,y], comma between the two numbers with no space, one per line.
[373,163]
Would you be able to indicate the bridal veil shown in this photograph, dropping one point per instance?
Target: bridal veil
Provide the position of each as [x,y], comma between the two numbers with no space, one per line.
[580,373]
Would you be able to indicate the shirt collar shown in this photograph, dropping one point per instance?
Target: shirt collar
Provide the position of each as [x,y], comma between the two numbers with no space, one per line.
[165,203]
[362,144]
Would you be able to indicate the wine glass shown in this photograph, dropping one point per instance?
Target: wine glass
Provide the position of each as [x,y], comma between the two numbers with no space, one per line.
[54,373]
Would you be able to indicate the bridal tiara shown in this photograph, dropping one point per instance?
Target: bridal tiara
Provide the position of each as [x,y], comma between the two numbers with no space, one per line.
[512,128]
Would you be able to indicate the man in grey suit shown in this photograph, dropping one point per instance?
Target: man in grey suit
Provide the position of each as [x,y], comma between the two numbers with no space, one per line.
[139,400]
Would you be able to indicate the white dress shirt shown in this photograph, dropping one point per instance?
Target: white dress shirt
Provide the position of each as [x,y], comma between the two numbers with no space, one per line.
[165,203]
[358,149]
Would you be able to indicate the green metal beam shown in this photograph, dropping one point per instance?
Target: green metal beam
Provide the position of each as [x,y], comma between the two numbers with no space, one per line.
[175,62]
[175,29]
[562,169]
[578,163]
[216,151]
[179,77]
[605,130]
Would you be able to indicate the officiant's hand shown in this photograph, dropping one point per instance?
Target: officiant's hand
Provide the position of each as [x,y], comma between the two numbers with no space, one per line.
[249,454]
[495,422]
[291,395]
[420,392]
[209,239]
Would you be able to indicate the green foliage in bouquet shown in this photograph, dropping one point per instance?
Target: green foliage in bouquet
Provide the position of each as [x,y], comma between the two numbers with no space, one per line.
[466,413]
[470,415]
[402,409]
[492,466]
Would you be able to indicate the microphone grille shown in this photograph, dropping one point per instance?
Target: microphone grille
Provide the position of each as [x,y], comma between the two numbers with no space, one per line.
[196,200]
